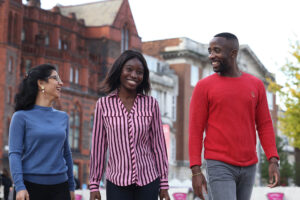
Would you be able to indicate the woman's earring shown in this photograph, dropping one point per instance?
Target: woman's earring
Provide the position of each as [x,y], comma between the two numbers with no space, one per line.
[43,89]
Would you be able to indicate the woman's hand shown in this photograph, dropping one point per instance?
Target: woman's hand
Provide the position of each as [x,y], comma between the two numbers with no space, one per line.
[164,195]
[72,194]
[95,195]
[22,195]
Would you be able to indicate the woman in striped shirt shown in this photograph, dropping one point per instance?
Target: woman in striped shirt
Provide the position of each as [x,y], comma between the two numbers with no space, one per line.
[128,123]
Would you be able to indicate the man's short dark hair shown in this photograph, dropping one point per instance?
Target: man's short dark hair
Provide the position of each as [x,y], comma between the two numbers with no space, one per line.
[226,35]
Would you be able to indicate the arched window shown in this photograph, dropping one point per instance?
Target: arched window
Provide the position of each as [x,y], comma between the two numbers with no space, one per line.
[10,25]
[124,38]
[74,132]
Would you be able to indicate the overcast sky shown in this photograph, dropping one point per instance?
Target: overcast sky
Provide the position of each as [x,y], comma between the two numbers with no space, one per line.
[267,26]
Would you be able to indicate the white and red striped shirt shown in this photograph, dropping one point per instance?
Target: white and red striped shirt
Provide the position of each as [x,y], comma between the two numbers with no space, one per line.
[136,143]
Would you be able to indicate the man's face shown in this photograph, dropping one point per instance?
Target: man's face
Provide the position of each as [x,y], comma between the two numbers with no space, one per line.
[220,54]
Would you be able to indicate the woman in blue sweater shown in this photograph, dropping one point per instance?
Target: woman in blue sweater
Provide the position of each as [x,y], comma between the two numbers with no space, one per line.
[39,153]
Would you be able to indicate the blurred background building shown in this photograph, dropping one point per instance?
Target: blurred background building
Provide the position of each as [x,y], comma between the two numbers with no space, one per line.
[82,42]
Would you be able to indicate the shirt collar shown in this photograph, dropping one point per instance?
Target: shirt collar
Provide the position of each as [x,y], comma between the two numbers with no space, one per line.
[115,93]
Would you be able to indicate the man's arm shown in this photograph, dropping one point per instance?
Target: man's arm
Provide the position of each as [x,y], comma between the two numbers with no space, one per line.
[198,181]
[267,136]
[197,122]
[274,174]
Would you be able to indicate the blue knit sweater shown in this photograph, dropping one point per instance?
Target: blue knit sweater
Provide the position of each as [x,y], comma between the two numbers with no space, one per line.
[39,151]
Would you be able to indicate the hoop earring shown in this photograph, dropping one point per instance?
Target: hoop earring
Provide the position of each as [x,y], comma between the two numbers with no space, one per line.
[43,89]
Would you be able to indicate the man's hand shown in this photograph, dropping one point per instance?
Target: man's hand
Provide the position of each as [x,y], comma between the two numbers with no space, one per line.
[95,195]
[164,195]
[274,174]
[72,195]
[22,195]
[198,181]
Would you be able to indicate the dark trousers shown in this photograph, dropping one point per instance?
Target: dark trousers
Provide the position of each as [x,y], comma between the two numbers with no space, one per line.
[132,192]
[48,192]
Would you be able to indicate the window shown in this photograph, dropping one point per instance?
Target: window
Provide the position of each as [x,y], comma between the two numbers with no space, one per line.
[47,40]
[23,35]
[194,75]
[74,132]
[124,38]
[75,170]
[10,65]
[164,106]
[270,100]
[27,66]
[71,74]
[76,76]
[157,95]
[65,45]
[174,108]
[59,44]
[56,67]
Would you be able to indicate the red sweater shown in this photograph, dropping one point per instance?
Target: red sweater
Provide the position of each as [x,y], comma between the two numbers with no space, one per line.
[230,110]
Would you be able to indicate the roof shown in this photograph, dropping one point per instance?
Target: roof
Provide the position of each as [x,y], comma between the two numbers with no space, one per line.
[98,13]
[258,62]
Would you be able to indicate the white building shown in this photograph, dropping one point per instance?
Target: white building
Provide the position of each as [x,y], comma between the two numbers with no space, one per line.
[164,87]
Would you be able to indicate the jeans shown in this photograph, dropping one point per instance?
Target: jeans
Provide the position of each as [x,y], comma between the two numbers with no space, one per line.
[48,192]
[229,182]
[132,192]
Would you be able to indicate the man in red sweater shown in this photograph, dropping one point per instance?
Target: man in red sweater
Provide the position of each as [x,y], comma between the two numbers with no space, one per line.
[230,106]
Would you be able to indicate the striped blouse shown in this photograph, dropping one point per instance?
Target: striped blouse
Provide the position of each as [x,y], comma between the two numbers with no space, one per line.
[136,143]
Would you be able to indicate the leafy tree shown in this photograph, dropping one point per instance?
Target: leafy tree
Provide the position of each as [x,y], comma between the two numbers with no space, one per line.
[289,93]
[286,169]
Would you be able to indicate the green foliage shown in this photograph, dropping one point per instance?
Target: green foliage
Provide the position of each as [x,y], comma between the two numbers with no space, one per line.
[287,171]
[290,94]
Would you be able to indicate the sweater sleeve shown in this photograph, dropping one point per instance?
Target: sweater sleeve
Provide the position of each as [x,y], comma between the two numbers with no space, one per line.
[68,158]
[198,116]
[16,143]
[264,124]
[158,144]
[98,150]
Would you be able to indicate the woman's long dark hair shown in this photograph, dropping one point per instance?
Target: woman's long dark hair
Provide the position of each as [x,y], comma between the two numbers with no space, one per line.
[112,80]
[28,88]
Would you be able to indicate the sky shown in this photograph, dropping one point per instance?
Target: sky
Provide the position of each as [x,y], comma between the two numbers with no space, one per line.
[269,27]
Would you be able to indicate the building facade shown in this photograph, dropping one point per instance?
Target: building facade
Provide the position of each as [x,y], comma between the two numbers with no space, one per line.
[81,41]
[189,60]
[164,87]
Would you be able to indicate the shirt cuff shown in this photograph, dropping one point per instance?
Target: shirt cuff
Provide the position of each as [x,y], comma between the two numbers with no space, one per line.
[164,185]
[94,187]
[20,187]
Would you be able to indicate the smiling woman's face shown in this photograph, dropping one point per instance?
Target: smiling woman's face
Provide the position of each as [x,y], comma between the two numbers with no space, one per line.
[132,75]
[53,86]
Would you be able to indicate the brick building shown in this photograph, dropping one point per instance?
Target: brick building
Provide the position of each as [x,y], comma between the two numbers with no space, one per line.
[81,41]
[189,60]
